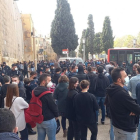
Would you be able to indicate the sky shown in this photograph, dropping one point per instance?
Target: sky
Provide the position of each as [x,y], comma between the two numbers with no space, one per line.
[124,14]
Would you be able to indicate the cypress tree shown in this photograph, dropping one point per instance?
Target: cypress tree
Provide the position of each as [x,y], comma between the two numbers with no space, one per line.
[107,35]
[90,35]
[63,28]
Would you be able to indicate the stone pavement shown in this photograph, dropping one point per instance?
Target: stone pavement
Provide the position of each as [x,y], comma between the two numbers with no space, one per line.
[103,132]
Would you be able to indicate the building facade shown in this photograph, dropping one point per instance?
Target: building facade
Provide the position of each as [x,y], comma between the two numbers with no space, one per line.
[11,33]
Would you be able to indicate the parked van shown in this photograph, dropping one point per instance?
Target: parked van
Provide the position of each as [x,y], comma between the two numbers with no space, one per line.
[71,59]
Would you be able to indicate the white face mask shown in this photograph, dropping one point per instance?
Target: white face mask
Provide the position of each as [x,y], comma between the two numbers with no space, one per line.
[14,83]
[126,80]
[50,84]
[16,68]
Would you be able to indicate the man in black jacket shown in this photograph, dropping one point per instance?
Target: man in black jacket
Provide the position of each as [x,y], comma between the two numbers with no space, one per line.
[123,108]
[49,110]
[57,75]
[101,82]
[85,109]
[3,91]
[73,71]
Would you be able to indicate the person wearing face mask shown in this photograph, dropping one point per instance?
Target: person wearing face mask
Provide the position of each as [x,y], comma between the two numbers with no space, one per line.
[73,71]
[49,110]
[33,80]
[60,95]
[123,108]
[14,71]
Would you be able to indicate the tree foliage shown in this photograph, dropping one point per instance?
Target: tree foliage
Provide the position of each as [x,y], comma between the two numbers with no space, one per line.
[125,41]
[107,35]
[98,43]
[63,28]
[90,35]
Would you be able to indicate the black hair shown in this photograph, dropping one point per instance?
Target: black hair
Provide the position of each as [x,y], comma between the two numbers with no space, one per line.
[7,120]
[57,69]
[73,67]
[100,69]
[15,76]
[33,73]
[110,70]
[6,79]
[89,69]
[64,69]
[116,74]
[43,77]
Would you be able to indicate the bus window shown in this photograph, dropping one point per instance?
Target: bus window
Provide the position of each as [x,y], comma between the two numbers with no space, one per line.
[129,57]
[121,57]
[113,55]
[137,58]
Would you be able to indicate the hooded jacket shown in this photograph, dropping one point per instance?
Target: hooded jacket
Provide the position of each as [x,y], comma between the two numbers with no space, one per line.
[49,108]
[101,82]
[56,77]
[9,136]
[121,105]
[60,94]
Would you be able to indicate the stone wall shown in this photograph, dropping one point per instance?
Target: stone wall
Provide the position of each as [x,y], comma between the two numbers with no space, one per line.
[11,33]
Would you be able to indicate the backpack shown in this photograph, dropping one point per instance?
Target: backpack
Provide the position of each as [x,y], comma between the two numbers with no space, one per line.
[35,107]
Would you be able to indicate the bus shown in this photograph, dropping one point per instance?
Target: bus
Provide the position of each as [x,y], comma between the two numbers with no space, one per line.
[128,55]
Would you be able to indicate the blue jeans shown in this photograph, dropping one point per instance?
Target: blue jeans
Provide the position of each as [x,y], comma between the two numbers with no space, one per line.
[24,134]
[100,101]
[139,130]
[123,135]
[47,127]
[111,131]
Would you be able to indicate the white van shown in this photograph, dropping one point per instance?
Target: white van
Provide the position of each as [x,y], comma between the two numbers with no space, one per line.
[77,59]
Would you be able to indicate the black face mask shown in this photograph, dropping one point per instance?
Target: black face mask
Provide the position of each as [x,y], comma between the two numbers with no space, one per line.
[34,77]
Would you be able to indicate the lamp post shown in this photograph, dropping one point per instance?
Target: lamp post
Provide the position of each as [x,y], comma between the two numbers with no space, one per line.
[84,40]
[134,43]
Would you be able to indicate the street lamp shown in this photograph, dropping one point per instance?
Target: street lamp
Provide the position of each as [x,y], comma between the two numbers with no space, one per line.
[84,41]
[134,43]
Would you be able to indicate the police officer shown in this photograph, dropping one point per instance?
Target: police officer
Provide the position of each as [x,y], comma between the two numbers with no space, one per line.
[5,69]
[14,71]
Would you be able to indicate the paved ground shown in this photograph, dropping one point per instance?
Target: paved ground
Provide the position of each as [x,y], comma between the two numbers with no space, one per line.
[103,132]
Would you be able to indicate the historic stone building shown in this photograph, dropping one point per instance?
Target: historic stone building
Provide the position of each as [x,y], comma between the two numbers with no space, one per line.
[11,33]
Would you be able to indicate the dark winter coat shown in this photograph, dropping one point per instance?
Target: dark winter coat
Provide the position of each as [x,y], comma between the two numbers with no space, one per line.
[9,136]
[60,94]
[49,108]
[121,105]
[70,111]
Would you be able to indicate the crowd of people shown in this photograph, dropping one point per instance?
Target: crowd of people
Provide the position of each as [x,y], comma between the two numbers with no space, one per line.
[75,92]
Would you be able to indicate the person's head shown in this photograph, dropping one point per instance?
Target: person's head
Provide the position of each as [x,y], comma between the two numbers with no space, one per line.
[89,69]
[73,83]
[135,66]
[80,69]
[118,76]
[33,74]
[47,69]
[15,79]
[110,70]
[63,79]
[84,85]
[7,121]
[94,70]
[44,79]
[74,69]
[112,63]
[4,64]
[6,79]
[12,90]
[58,70]
[100,69]
[14,67]
[64,70]
[138,70]
[27,81]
